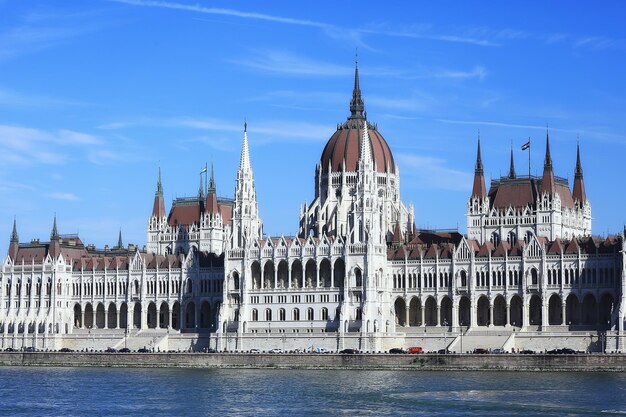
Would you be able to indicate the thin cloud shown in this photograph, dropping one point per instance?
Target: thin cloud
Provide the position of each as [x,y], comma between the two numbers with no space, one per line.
[64,196]
[478,72]
[15,99]
[286,63]
[433,172]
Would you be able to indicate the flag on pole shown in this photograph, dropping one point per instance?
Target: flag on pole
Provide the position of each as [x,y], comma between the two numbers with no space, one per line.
[526,145]
[204,169]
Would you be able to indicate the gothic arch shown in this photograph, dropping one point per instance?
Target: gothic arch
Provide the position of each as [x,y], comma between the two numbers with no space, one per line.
[400,311]
[296,274]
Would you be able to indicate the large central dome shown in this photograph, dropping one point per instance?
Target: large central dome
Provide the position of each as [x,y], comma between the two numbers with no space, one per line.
[344,145]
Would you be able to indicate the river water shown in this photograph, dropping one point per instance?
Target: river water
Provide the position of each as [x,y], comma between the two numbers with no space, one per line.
[234,392]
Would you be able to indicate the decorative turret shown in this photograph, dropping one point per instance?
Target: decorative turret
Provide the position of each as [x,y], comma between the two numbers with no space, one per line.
[579,194]
[211,196]
[158,208]
[479,190]
[15,241]
[246,222]
[512,166]
[120,244]
[547,184]
[54,249]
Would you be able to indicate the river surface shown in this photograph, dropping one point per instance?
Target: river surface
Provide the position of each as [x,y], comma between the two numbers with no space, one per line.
[233,392]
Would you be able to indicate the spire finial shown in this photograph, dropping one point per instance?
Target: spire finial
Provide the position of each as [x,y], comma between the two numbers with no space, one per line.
[120,244]
[212,180]
[159,189]
[548,161]
[54,235]
[479,161]
[244,162]
[512,167]
[14,236]
[579,167]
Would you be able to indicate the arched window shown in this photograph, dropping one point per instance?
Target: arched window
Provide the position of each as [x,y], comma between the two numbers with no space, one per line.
[296,314]
[359,314]
[309,313]
[463,279]
[324,313]
[281,314]
[268,314]
[358,277]
[533,277]
[255,315]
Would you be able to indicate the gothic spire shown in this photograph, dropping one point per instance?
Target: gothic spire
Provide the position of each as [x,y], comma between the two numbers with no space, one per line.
[579,193]
[159,189]
[357,106]
[158,207]
[211,185]
[120,244]
[201,189]
[512,167]
[244,162]
[54,235]
[479,189]
[14,237]
[547,183]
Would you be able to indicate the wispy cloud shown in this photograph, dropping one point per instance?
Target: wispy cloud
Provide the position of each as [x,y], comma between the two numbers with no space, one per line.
[433,172]
[63,196]
[287,63]
[11,98]
[478,72]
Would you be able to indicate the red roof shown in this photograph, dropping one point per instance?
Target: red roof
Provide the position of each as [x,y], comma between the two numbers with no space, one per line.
[344,145]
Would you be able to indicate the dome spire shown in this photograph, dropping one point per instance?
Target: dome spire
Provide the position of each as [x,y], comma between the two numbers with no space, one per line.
[579,193]
[357,106]
[54,235]
[547,183]
[244,162]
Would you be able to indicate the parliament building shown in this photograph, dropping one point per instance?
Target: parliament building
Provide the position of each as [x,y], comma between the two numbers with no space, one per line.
[529,274]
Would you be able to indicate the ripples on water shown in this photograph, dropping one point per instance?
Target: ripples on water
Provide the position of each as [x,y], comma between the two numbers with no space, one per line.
[178,392]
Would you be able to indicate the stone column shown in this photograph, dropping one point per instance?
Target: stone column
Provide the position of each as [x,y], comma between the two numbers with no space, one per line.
[158,318]
[438,315]
[423,314]
[507,319]
[289,284]
[317,275]
[490,313]
[564,313]
[82,318]
[455,313]
[525,312]
[406,316]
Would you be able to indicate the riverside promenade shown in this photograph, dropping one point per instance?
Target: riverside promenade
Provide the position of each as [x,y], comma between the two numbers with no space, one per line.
[430,362]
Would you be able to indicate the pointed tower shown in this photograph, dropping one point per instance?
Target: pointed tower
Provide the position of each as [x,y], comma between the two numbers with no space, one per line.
[246,224]
[512,166]
[478,205]
[120,244]
[479,190]
[54,249]
[547,183]
[579,194]
[211,196]
[158,220]
[15,242]
[158,208]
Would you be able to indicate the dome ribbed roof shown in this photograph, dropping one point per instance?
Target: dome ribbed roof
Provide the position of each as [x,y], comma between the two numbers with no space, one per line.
[344,145]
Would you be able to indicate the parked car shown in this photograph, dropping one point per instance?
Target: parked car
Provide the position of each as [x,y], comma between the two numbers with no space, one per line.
[443,351]
[397,351]
[480,351]
[276,350]
[555,352]
[65,350]
[349,351]
[498,351]
[124,350]
[415,350]
[9,349]
[143,350]
[29,349]
[568,351]
[527,352]
[255,351]
[111,350]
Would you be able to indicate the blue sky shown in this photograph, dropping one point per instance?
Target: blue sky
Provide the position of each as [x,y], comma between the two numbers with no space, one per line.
[94,95]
